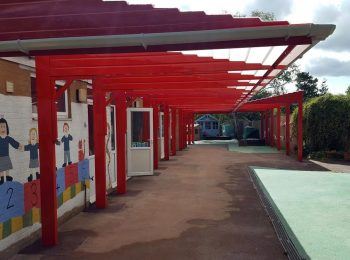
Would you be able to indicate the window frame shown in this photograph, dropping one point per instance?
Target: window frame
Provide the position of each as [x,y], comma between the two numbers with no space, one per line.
[206,124]
[60,115]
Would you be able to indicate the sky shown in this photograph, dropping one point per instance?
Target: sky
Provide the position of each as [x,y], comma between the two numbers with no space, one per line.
[328,60]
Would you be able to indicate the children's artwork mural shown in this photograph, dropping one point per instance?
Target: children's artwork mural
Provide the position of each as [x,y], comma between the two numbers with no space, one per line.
[20,203]
[33,148]
[81,149]
[66,139]
[5,141]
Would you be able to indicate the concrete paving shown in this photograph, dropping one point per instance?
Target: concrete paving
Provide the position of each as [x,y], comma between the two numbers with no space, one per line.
[199,205]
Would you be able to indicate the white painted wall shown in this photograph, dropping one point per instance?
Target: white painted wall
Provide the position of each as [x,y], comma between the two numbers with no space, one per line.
[17,110]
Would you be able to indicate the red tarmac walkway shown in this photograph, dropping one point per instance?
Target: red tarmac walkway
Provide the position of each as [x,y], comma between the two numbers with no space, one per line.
[200,205]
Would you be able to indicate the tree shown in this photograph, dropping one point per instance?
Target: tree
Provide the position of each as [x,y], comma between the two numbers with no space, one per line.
[265,16]
[307,83]
[323,90]
[278,84]
[263,93]
[348,91]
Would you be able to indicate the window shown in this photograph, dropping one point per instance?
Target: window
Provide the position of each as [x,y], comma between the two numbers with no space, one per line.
[62,102]
[207,125]
[215,125]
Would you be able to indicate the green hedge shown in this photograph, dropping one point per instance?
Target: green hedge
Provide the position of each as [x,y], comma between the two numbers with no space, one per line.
[326,123]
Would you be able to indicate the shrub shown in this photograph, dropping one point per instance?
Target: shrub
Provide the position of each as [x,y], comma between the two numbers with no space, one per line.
[326,123]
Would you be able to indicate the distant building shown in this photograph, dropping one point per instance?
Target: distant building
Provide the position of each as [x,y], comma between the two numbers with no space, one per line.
[209,126]
[197,129]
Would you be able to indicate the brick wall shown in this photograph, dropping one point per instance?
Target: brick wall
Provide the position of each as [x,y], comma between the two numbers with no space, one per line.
[10,71]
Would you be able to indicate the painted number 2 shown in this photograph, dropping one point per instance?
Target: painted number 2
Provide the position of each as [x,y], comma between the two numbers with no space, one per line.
[9,204]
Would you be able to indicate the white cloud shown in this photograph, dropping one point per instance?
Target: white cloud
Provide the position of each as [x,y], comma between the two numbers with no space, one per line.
[278,7]
[329,67]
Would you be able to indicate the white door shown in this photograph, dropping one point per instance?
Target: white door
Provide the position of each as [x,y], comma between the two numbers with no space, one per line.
[140,141]
[161,134]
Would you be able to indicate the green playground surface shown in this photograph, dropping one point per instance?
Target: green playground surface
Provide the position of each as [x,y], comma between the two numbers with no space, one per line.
[234,147]
[313,208]
[215,141]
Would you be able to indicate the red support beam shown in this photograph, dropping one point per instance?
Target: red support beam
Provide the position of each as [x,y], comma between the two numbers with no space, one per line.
[261,125]
[173,131]
[62,89]
[120,99]
[267,127]
[99,113]
[166,132]
[155,134]
[278,128]
[47,124]
[181,132]
[193,130]
[188,128]
[300,130]
[185,130]
[272,131]
[287,129]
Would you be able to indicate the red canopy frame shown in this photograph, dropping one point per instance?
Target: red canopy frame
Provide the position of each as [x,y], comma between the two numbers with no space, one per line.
[70,28]
[266,107]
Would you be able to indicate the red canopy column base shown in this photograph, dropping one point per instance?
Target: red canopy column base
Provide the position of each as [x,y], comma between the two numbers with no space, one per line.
[47,124]
[120,100]
[100,129]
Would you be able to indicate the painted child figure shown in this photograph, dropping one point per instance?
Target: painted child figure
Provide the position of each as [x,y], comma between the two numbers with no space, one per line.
[33,147]
[66,138]
[5,142]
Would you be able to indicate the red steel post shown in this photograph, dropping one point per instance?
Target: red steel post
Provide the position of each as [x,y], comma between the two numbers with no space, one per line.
[266,127]
[272,131]
[188,130]
[47,124]
[120,99]
[173,131]
[300,130]
[181,130]
[100,128]
[166,132]
[278,130]
[261,125]
[185,130]
[287,129]
[155,134]
[193,130]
